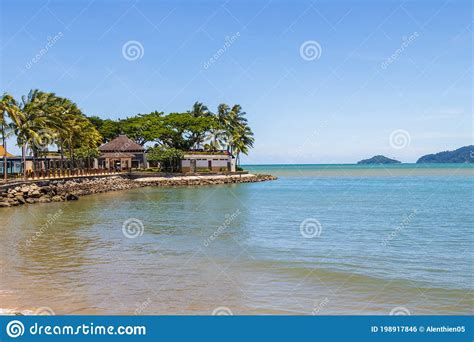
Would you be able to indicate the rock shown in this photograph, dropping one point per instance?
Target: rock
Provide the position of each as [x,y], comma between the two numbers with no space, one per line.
[34,193]
[20,199]
[44,199]
[71,189]
[71,197]
[14,202]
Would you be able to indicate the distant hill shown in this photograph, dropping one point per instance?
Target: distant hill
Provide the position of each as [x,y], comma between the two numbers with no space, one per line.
[379,160]
[461,155]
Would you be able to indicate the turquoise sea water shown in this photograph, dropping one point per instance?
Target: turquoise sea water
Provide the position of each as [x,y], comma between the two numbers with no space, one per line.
[322,239]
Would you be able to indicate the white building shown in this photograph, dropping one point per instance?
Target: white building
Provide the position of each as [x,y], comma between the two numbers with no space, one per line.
[208,161]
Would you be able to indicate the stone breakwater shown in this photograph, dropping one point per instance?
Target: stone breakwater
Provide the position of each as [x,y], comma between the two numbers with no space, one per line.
[72,189]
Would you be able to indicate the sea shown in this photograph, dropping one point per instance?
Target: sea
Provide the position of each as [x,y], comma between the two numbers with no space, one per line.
[319,240]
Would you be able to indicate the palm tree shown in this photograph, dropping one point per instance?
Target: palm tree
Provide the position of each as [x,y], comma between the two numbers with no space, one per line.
[235,125]
[9,106]
[198,111]
[242,140]
[33,124]
[219,133]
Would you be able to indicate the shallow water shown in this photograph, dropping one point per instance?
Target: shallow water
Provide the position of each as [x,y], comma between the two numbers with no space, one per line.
[338,239]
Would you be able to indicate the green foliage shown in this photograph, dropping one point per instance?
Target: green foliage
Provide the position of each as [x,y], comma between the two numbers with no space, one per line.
[185,131]
[203,169]
[464,154]
[163,154]
[42,119]
[169,158]
[194,129]
[109,129]
[379,160]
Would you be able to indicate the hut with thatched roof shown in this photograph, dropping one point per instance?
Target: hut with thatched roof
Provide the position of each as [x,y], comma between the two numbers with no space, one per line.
[122,153]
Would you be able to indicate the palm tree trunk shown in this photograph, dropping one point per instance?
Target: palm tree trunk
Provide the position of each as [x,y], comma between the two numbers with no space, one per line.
[23,157]
[71,158]
[5,161]
[61,166]
[35,167]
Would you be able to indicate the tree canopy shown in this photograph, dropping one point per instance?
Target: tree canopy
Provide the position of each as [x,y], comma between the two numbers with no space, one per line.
[40,120]
[197,128]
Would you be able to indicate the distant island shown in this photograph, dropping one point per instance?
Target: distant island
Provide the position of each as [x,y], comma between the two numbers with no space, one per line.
[379,160]
[461,155]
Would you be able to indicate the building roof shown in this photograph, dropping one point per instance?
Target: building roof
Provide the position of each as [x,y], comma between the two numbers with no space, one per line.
[121,144]
[116,155]
[220,156]
[2,152]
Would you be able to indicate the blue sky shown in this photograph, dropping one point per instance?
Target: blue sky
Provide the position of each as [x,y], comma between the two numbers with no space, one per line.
[387,77]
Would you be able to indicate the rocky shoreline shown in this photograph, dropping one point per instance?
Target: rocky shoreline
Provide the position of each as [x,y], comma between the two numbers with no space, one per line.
[72,189]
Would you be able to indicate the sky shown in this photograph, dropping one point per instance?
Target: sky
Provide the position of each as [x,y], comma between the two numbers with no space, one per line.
[320,81]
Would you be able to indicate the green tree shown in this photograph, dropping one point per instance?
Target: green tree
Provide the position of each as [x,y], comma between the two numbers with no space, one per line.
[109,129]
[31,124]
[143,128]
[168,158]
[184,131]
[233,130]
[200,110]
[8,106]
